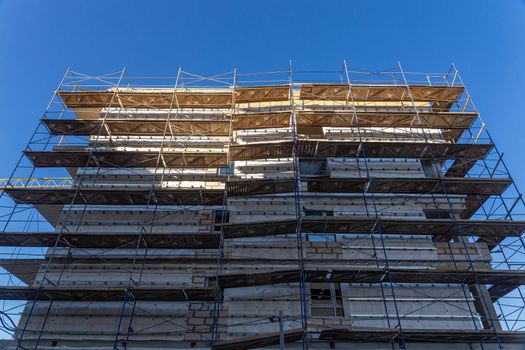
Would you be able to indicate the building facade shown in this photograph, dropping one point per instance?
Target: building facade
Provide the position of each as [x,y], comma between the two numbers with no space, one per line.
[266,210]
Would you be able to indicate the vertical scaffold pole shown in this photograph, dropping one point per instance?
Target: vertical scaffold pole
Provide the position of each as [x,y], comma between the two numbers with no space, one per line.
[298,211]
[217,303]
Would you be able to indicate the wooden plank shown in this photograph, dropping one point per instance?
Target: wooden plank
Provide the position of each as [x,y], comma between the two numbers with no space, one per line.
[442,229]
[113,196]
[106,294]
[110,240]
[263,93]
[510,278]
[127,159]
[381,93]
[427,335]
[147,99]
[151,127]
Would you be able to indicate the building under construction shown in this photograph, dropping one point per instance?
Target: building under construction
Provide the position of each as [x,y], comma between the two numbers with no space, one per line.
[341,209]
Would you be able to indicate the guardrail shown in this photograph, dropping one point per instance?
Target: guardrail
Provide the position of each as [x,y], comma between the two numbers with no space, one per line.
[44,182]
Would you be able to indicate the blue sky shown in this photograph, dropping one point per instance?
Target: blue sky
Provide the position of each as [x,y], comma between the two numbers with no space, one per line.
[40,39]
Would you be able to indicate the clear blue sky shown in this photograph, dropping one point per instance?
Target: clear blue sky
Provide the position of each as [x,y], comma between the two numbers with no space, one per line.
[40,39]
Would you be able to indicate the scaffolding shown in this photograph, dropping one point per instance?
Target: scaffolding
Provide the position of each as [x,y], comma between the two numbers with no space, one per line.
[293,208]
